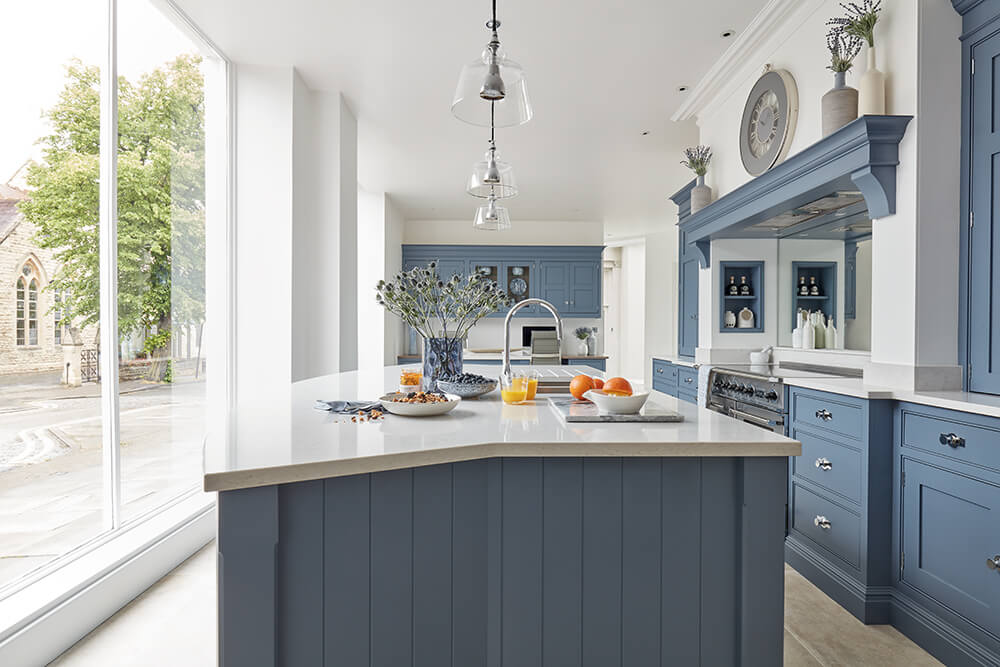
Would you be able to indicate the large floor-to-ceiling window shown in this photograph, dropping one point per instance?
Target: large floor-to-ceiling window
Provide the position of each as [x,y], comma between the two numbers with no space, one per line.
[113,218]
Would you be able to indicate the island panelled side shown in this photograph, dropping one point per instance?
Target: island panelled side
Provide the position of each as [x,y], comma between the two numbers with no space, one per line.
[519,561]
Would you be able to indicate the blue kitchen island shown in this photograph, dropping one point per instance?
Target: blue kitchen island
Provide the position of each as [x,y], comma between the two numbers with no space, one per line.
[497,535]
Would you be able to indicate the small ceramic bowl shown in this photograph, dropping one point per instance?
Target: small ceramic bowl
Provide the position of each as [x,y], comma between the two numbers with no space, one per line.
[419,409]
[467,390]
[616,405]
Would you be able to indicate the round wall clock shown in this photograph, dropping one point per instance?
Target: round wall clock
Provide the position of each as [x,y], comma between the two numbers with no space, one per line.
[768,123]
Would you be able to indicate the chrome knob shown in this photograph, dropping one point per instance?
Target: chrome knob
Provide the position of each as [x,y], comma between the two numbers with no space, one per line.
[659,371]
[689,380]
[824,414]
[822,522]
[824,464]
[772,395]
[993,563]
[952,440]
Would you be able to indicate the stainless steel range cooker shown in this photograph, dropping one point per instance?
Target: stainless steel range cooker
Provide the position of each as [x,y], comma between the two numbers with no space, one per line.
[750,395]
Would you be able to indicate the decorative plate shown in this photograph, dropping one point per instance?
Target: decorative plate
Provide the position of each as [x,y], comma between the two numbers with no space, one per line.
[768,123]
[518,286]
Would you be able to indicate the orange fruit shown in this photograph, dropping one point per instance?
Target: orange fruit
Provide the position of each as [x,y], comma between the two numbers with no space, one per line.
[579,385]
[598,383]
[618,387]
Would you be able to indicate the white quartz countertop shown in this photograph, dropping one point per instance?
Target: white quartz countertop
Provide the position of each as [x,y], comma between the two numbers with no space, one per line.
[680,361]
[280,437]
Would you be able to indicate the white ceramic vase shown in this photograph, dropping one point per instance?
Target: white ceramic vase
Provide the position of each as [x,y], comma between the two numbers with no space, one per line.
[840,104]
[701,195]
[581,347]
[871,89]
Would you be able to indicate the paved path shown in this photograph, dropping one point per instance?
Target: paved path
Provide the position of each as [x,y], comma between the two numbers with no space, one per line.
[51,489]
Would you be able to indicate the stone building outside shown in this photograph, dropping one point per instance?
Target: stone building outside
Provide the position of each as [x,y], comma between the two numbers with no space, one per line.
[33,337]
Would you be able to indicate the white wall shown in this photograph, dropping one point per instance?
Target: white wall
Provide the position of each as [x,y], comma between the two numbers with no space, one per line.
[263,239]
[346,177]
[380,229]
[632,357]
[522,232]
[920,52]
[660,323]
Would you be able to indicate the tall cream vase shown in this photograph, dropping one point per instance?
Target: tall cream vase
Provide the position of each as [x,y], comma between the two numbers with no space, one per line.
[871,89]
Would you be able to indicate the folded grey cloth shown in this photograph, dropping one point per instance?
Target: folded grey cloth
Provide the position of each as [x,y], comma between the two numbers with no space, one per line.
[348,407]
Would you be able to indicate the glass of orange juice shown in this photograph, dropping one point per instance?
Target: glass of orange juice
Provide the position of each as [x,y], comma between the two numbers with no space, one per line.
[531,381]
[513,389]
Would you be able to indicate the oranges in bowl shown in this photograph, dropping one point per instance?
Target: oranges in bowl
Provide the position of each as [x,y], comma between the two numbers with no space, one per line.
[618,387]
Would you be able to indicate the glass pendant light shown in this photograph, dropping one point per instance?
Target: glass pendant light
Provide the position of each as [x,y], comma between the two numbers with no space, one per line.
[495,78]
[492,177]
[491,217]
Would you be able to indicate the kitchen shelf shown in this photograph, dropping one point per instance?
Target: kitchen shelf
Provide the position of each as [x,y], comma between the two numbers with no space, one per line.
[754,272]
[826,275]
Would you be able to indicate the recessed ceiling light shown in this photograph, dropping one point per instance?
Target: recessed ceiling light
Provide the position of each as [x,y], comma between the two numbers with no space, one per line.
[727,33]
[645,133]
[682,89]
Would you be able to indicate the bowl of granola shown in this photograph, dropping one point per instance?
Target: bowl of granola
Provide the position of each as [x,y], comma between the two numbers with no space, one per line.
[419,403]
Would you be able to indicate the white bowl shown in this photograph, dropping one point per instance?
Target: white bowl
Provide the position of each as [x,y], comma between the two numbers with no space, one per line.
[419,409]
[616,405]
[760,358]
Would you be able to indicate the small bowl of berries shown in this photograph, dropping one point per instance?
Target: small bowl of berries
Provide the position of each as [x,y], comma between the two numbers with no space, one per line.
[467,385]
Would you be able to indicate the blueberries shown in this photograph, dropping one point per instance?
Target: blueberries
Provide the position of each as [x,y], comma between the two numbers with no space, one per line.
[467,378]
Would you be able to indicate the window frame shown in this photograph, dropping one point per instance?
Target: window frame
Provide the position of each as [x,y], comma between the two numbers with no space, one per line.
[143,548]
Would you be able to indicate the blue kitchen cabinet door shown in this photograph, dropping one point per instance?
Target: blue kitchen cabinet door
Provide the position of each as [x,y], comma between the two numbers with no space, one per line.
[984,235]
[950,529]
[555,282]
[687,341]
[511,275]
[584,289]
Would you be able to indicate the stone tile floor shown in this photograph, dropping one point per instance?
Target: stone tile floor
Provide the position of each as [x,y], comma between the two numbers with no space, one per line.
[173,623]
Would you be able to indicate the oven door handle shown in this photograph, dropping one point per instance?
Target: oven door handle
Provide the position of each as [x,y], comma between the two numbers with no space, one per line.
[754,419]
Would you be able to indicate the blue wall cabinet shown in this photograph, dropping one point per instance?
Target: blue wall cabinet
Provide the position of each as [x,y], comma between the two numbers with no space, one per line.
[687,311]
[567,276]
[825,274]
[979,297]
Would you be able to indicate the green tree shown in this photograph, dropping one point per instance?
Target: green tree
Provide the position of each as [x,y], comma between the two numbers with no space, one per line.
[161,212]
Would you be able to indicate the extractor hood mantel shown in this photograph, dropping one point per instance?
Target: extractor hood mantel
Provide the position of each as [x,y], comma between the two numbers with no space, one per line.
[861,156]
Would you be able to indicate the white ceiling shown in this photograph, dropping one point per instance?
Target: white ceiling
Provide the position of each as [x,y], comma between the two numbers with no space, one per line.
[599,73]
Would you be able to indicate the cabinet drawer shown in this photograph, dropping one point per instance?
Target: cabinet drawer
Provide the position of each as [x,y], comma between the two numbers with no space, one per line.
[665,386]
[951,530]
[828,464]
[664,370]
[842,537]
[689,396]
[830,412]
[952,435]
[687,379]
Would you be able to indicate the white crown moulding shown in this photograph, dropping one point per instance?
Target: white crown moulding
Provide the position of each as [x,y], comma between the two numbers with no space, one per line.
[775,22]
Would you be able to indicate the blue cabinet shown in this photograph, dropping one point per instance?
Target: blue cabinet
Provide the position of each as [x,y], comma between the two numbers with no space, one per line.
[951,531]
[569,277]
[946,532]
[979,297]
[687,306]
[665,377]
[840,498]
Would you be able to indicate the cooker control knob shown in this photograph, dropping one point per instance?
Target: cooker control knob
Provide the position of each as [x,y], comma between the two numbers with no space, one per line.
[771,395]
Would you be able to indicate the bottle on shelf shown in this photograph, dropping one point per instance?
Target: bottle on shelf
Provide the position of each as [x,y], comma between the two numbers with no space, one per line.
[803,288]
[813,287]
[745,289]
[733,289]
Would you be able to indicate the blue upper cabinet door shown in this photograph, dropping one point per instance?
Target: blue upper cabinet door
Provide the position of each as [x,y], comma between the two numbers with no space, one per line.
[584,289]
[452,267]
[984,235]
[688,304]
[951,532]
[519,282]
[492,271]
[554,286]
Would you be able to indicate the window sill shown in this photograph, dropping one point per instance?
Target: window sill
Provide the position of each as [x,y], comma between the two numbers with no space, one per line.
[46,617]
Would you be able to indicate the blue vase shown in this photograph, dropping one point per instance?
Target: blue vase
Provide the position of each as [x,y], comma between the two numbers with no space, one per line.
[442,358]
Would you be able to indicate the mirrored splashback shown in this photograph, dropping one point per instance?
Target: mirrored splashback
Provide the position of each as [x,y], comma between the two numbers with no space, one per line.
[825,279]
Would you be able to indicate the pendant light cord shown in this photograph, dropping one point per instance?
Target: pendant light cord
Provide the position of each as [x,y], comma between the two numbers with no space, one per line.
[494,14]
[492,106]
